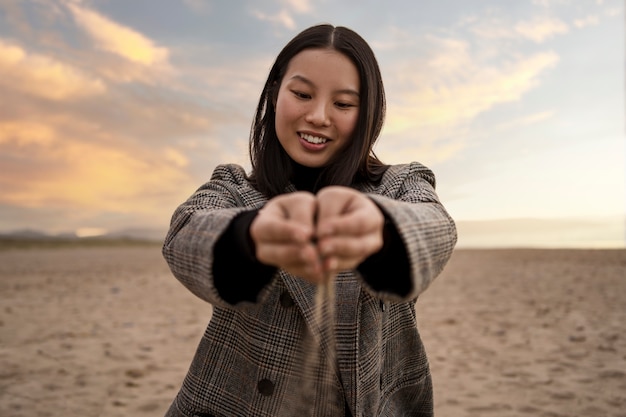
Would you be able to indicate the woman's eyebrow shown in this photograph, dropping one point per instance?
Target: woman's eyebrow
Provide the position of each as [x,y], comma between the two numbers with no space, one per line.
[312,84]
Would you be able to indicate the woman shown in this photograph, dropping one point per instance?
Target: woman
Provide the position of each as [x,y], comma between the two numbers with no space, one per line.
[318,208]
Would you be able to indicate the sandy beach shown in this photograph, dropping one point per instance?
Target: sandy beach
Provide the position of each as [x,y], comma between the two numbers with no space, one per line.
[108,332]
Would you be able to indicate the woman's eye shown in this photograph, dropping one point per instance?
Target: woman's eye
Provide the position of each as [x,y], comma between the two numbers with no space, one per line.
[300,94]
[343,105]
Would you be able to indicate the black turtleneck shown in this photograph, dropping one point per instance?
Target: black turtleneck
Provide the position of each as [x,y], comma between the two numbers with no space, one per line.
[305,178]
[242,280]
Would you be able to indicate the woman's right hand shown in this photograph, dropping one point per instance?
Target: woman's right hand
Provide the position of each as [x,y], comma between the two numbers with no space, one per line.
[283,233]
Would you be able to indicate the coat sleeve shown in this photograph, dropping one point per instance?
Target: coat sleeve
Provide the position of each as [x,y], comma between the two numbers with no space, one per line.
[426,229]
[198,224]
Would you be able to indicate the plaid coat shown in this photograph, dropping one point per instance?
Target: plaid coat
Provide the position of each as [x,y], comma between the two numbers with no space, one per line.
[249,361]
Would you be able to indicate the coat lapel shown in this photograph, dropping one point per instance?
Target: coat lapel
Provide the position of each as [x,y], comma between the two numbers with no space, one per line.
[347,294]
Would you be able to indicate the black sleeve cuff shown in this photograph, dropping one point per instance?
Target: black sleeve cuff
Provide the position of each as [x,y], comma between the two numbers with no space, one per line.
[237,275]
[388,270]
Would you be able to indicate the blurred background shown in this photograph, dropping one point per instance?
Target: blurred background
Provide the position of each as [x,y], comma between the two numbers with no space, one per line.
[113,112]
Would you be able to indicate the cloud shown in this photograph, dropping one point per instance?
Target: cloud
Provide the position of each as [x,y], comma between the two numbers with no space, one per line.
[526,120]
[434,99]
[73,163]
[492,28]
[299,6]
[400,150]
[587,21]
[175,157]
[57,170]
[540,29]
[201,6]
[117,39]
[25,133]
[550,3]
[282,18]
[43,76]
[613,12]
[100,147]
[452,87]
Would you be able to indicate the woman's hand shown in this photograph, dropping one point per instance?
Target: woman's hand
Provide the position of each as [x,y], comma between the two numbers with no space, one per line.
[283,233]
[316,236]
[349,228]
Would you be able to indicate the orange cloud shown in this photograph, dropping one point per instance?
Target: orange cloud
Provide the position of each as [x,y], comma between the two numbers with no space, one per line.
[118,39]
[47,166]
[175,157]
[25,133]
[92,158]
[43,76]
[91,175]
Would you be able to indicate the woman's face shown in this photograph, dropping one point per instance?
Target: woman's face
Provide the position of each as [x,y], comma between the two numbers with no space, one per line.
[317,106]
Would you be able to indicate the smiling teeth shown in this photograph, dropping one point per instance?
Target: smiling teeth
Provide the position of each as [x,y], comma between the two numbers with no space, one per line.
[313,139]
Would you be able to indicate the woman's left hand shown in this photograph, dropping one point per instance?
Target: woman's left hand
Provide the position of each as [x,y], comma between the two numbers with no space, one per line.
[349,228]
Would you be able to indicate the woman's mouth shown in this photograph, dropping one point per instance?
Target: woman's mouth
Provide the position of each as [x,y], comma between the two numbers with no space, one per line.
[316,140]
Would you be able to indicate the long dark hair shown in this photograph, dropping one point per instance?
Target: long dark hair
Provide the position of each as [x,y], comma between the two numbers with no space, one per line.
[271,166]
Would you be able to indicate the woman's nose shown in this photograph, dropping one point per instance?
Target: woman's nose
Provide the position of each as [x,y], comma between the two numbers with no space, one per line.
[318,114]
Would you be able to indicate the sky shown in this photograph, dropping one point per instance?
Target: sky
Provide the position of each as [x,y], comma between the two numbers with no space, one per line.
[112,113]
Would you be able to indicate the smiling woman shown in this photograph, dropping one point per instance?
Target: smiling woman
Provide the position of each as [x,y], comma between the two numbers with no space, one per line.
[319,226]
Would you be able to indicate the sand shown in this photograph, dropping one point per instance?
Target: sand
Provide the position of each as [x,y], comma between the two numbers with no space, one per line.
[107,331]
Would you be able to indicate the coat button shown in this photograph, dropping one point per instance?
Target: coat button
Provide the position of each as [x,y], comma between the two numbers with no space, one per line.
[265,387]
[286,300]
[383,307]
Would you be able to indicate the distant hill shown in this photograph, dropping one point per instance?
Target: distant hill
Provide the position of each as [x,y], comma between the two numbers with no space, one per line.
[27,234]
[25,238]
[142,234]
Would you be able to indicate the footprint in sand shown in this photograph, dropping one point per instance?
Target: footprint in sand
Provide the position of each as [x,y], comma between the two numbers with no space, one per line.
[563,396]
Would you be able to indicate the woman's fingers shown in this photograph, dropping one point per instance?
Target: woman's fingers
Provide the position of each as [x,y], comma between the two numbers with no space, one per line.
[300,260]
[276,230]
[283,234]
[344,211]
[349,229]
[341,253]
[284,254]
[314,236]
[286,218]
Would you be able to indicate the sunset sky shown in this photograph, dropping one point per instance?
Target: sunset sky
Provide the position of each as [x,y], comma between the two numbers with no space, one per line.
[113,112]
